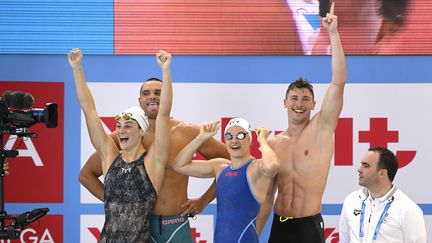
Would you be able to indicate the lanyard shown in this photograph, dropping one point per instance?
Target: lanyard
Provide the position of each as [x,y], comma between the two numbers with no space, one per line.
[380,221]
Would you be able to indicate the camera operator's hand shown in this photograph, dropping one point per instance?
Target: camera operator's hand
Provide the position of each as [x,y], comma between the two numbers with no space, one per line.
[6,167]
[75,57]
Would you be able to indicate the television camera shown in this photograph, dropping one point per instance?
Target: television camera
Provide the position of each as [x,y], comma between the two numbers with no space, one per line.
[15,119]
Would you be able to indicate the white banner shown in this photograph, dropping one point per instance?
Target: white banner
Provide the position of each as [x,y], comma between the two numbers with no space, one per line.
[395,119]
[386,114]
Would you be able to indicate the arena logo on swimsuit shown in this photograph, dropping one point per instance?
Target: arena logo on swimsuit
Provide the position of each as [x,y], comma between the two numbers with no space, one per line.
[231,173]
[39,164]
[173,221]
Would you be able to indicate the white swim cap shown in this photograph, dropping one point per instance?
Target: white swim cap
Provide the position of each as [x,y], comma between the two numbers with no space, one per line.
[241,123]
[137,114]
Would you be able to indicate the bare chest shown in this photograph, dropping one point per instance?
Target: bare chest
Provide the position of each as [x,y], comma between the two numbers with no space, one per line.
[177,143]
[296,155]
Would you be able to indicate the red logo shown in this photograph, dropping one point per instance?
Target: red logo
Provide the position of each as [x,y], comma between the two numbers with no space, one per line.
[378,135]
[231,173]
[95,232]
[331,234]
[36,175]
[48,229]
[195,235]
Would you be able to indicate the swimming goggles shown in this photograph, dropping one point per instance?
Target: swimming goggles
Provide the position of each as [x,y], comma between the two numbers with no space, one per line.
[124,116]
[239,136]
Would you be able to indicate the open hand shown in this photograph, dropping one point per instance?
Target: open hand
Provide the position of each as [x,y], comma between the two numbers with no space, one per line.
[209,129]
[193,206]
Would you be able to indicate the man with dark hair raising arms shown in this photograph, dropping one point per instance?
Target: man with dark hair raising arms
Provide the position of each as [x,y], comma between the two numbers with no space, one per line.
[380,212]
[172,203]
[305,150]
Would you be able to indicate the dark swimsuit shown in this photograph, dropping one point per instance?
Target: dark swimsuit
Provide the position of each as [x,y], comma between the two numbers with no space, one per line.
[129,200]
[305,230]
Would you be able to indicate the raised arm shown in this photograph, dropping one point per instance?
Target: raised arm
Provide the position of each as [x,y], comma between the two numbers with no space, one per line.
[161,144]
[266,207]
[270,162]
[100,140]
[183,162]
[263,170]
[333,100]
[210,149]
[269,166]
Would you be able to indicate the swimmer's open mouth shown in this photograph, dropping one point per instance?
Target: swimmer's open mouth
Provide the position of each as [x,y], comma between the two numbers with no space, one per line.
[235,146]
[299,110]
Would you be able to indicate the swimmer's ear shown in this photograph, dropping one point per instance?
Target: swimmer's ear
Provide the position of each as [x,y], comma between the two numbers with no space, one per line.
[142,132]
[314,103]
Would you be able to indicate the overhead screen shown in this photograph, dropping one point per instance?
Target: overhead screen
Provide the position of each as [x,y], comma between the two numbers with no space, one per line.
[213,27]
[271,27]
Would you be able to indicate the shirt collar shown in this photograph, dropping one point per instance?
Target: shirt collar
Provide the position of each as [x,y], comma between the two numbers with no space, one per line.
[387,197]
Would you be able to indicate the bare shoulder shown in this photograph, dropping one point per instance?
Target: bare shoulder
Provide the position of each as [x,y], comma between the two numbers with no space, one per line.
[219,164]
[184,128]
[277,139]
[220,161]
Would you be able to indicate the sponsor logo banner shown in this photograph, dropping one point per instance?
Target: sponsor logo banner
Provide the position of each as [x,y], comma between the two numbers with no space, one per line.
[48,229]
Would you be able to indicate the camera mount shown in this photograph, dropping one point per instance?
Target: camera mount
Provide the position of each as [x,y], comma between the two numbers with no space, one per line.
[16,122]
[19,222]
